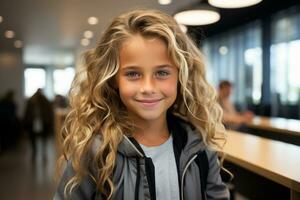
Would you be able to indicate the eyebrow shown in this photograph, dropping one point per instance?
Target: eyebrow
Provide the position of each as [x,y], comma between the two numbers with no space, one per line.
[156,67]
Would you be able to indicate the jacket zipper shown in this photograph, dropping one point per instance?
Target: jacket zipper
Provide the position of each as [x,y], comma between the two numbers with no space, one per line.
[183,174]
[142,156]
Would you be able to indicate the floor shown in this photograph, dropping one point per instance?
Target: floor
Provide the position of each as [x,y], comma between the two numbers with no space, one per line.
[24,178]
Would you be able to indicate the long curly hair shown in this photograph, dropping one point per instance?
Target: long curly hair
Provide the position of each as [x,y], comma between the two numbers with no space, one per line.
[96,108]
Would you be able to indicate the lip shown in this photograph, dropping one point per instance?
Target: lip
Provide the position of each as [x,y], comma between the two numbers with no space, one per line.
[149,102]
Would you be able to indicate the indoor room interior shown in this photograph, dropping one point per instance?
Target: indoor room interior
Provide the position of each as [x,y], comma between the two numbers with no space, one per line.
[254,48]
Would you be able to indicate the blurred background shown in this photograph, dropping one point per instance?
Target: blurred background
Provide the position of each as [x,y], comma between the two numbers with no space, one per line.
[255,47]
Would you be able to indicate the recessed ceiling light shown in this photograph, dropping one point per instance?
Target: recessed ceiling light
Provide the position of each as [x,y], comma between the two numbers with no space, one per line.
[164,2]
[233,3]
[1,19]
[197,17]
[9,34]
[18,44]
[85,42]
[88,34]
[92,20]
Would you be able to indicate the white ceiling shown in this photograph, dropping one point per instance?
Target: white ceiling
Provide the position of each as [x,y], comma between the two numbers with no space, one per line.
[52,29]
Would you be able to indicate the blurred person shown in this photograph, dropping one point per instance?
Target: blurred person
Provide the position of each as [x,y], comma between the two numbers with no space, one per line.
[38,120]
[10,124]
[232,119]
[60,101]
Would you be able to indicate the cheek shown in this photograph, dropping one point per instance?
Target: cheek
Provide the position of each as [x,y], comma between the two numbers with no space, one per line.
[126,90]
[170,88]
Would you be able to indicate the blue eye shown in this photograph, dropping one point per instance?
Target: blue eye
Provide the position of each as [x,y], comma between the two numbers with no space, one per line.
[162,73]
[132,74]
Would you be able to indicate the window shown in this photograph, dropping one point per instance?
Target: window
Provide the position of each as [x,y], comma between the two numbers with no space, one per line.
[237,56]
[253,60]
[285,57]
[284,63]
[34,78]
[62,80]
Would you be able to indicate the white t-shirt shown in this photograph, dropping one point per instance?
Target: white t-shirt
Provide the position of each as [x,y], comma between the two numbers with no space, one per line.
[166,178]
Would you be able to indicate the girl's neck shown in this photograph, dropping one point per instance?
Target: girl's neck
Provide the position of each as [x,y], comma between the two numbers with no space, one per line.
[152,133]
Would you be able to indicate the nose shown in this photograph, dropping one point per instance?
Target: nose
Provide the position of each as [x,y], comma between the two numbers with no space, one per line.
[148,85]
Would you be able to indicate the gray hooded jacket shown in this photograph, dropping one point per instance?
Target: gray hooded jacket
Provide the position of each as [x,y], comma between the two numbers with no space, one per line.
[134,173]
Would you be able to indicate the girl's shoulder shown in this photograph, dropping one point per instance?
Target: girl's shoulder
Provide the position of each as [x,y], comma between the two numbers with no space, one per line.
[92,150]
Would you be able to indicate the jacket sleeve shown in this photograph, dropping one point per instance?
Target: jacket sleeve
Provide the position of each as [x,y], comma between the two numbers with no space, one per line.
[215,188]
[84,191]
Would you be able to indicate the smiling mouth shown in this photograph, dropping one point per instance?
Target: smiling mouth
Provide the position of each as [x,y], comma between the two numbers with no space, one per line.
[149,103]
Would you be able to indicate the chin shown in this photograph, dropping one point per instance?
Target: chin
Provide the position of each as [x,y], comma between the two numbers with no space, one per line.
[150,116]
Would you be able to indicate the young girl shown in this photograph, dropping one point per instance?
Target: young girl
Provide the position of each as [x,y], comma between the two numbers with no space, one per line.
[141,114]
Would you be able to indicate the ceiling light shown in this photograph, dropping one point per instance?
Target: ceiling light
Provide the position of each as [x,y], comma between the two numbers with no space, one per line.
[223,50]
[88,34]
[164,2]
[1,19]
[202,14]
[9,34]
[233,3]
[85,42]
[18,44]
[92,20]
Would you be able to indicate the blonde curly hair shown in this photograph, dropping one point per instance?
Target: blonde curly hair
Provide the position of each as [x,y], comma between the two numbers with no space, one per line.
[96,108]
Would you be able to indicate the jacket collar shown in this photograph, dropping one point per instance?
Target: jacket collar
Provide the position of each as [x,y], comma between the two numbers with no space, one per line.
[186,139]
[129,147]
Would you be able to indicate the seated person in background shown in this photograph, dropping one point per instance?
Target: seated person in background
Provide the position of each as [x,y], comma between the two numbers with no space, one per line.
[232,119]
[60,102]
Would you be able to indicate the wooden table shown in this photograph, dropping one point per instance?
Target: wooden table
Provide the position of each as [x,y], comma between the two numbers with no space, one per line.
[275,124]
[286,130]
[274,160]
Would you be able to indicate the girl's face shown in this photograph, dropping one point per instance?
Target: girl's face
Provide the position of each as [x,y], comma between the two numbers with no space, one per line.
[147,78]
